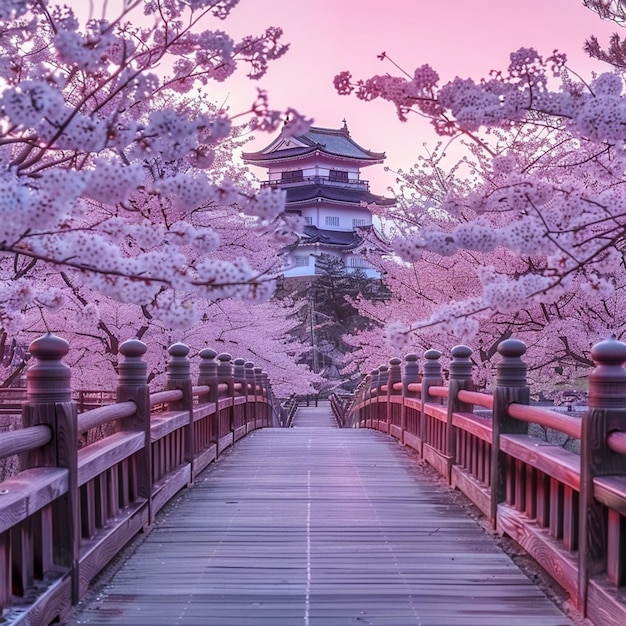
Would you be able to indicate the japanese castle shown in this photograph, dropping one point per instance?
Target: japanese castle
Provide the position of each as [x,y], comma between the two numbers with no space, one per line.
[321,173]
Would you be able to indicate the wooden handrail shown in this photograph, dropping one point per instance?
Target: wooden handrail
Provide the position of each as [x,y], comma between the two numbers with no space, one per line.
[484,400]
[566,424]
[24,440]
[201,390]
[617,442]
[438,391]
[171,395]
[104,414]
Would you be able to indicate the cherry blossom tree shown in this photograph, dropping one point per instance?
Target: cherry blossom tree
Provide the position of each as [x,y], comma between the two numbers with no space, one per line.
[535,207]
[106,164]
[123,210]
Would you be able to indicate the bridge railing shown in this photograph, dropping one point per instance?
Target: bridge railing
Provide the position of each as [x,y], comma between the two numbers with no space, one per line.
[69,510]
[566,509]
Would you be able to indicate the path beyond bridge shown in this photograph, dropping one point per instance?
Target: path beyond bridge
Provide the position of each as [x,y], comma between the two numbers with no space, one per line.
[316,525]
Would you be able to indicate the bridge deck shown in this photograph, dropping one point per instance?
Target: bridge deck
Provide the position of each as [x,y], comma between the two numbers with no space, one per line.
[317,526]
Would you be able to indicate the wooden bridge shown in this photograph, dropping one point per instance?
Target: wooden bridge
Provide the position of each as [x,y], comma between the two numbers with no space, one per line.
[312,524]
[317,525]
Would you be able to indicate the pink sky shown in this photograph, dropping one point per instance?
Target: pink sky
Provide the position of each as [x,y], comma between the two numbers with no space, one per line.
[457,37]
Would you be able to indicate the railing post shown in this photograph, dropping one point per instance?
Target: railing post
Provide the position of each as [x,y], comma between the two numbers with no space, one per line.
[267,395]
[394,375]
[239,374]
[207,374]
[510,387]
[250,391]
[410,375]
[606,413]
[132,384]
[49,402]
[225,376]
[372,393]
[258,393]
[360,396]
[381,408]
[431,378]
[179,377]
[240,412]
[460,378]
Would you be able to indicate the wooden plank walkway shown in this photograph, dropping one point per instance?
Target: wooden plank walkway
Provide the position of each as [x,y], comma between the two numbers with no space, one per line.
[317,526]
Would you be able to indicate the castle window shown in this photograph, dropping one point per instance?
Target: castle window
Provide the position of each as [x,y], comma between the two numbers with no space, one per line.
[301,260]
[292,176]
[357,261]
[359,221]
[338,176]
[331,220]
[308,219]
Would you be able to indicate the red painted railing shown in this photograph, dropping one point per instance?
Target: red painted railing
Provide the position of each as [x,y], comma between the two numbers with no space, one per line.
[69,510]
[567,510]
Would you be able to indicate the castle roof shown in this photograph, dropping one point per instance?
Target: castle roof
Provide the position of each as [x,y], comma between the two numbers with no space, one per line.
[330,142]
[349,195]
[346,240]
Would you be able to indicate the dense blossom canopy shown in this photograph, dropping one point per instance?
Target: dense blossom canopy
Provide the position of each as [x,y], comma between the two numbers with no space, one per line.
[541,184]
[107,165]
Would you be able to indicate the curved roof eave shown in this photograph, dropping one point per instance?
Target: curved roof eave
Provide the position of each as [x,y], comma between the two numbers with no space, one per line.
[263,158]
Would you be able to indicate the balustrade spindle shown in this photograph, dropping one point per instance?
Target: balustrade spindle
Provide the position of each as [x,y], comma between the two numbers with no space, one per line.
[606,413]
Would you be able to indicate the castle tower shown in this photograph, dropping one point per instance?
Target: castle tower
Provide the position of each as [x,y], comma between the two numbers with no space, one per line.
[321,173]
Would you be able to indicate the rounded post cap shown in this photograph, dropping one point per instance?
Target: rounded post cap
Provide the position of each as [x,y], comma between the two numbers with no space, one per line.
[607,380]
[512,348]
[461,352]
[432,355]
[178,350]
[609,352]
[49,347]
[133,348]
[48,379]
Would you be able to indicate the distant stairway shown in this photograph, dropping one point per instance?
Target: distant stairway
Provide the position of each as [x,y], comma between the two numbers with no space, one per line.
[315,416]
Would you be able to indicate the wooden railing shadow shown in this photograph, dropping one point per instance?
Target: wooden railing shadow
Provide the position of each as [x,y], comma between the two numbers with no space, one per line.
[567,510]
[69,511]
